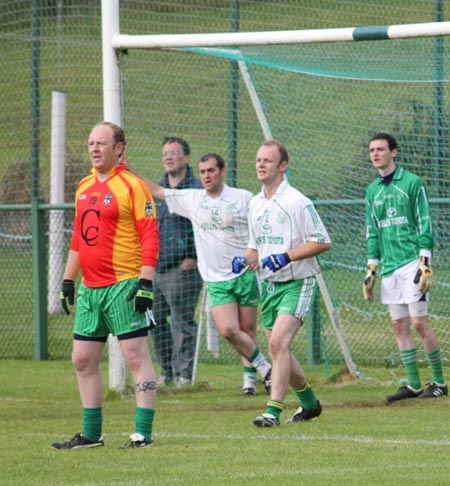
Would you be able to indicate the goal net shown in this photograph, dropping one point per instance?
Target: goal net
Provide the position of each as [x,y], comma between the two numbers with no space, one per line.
[323,100]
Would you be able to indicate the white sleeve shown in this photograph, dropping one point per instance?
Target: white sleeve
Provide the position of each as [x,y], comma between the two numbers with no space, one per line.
[315,229]
[178,201]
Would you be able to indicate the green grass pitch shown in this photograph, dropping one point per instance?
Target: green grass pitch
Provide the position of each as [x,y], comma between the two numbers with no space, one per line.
[206,437]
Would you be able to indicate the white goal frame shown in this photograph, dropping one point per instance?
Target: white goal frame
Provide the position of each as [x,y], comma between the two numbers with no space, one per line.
[113,41]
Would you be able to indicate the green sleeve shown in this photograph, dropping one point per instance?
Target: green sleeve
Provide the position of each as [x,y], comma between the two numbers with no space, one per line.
[372,235]
[423,218]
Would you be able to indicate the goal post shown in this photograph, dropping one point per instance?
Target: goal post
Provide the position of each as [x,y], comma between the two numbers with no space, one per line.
[112,112]
[322,92]
[430,29]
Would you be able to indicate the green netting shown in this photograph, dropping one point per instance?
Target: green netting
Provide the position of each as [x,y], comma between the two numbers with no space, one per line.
[323,101]
[414,60]
[325,113]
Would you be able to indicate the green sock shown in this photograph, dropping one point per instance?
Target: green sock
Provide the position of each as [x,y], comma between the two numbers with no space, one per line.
[409,360]
[437,373]
[92,423]
[306,397]
[144,421]
[275,408]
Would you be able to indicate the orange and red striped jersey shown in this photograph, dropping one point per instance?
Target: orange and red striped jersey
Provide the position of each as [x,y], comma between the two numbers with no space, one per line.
[115,229]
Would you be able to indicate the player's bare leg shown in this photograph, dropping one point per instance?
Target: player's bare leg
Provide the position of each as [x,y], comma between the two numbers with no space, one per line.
[237,324]
[137,356]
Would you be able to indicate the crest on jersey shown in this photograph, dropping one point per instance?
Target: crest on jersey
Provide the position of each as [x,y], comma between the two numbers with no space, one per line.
[107,200]
[391,212]
[266,227]
[148,209]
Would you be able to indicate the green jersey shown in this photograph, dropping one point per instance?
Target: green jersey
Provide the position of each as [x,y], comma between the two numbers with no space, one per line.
[398,220]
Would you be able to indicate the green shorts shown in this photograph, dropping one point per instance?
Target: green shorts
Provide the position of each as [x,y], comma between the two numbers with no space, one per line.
[106,310]
[243,289]
[293,297]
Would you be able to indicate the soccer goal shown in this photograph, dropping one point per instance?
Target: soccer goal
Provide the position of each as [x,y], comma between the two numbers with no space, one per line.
[322,93]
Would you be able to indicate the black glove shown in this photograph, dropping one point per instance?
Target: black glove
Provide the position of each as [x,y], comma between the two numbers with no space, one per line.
[142,295]
[67,292]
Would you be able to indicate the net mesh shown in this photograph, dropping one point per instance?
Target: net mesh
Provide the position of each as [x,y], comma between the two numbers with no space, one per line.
[322,100]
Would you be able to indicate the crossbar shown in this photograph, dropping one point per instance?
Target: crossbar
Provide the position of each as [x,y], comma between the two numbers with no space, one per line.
[125,41]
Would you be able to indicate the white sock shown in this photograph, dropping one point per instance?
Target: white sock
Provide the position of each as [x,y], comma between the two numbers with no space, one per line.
[261,364]
[249,379]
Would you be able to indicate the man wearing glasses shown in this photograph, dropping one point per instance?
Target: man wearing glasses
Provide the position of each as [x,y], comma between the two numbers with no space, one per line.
[177,283]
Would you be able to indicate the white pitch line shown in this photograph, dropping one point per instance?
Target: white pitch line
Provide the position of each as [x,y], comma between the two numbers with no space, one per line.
[270,437]
[308,438]
[30,400]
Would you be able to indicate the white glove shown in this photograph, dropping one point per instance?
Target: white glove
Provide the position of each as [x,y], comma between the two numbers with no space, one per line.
[369,282]
[424,276]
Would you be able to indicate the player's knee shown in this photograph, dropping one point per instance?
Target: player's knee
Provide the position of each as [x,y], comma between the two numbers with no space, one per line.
[230,333]
[276,347]
[82,362]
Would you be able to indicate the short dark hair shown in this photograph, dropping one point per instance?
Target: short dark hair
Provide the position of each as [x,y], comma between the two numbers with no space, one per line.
[282,150]
[220,161]
[390,139]
[181,141]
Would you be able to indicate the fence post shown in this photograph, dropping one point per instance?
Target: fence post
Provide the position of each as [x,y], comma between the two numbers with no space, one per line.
[313,328]
[39,281]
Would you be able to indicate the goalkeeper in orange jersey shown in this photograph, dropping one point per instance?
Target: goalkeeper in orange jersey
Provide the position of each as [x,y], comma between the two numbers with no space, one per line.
[399,235]
[115,245]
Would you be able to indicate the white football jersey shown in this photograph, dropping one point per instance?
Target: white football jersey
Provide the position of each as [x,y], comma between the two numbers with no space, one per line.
[220,227]
[285,221]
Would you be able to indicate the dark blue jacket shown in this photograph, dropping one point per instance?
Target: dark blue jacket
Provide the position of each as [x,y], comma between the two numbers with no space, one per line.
[175,233]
